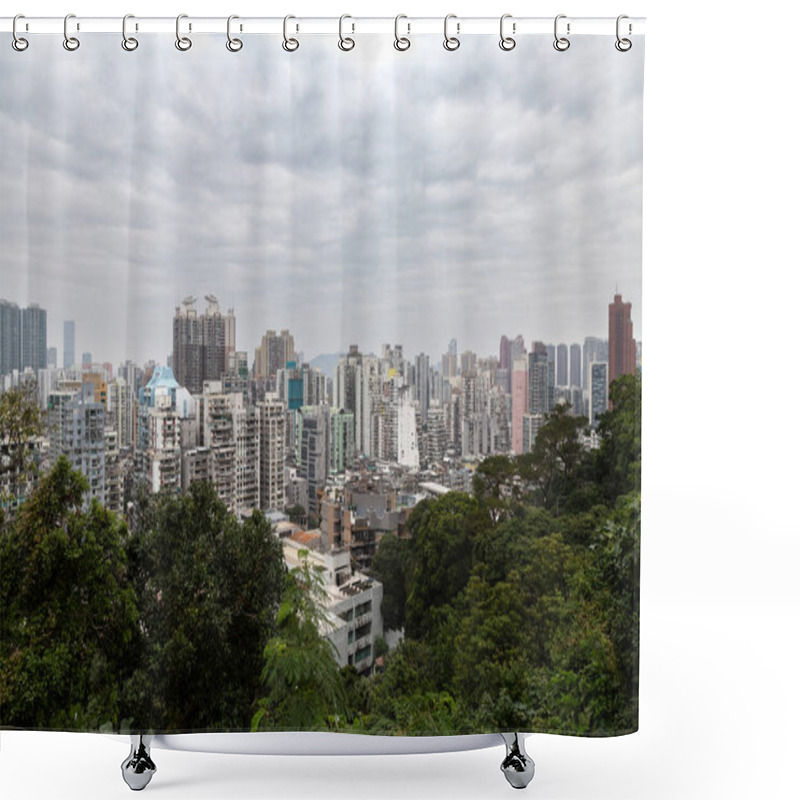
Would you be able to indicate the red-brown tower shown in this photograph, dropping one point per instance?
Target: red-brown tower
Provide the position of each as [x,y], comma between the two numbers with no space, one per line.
[621,345]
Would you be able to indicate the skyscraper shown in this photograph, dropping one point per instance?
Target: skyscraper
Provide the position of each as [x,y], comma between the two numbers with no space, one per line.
[505,352]
[199,343]
[562,365]
[69,344]
[34,337]
[275,350]
[10,332]
[621,345]
[314,440]
[541,380]
[272,435]
[598,391]
[594,349]
[407,447]
[575,365]
[422,387]
[450,360]
[78,433]
[519,402]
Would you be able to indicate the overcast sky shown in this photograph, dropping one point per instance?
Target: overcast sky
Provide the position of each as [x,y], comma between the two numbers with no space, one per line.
[362,197]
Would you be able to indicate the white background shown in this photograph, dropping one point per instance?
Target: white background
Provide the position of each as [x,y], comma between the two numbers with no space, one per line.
[720,603]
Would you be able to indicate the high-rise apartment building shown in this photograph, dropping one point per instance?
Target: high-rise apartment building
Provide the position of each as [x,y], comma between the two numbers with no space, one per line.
[594,349]
[598,391]
[34,337]
[575,365]
[357,388]
[10,337]
[621,345]
[247,457]
[407,445]
[541,380]
[69,344]
[519,402]
[422,384]
[274,352]
[78,432]
[469,361]
[562,365]
[314,441]
[272,455]
[120,407]
[342,440]
[199,344]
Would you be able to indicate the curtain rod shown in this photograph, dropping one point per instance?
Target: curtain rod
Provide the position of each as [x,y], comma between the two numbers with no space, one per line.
[463,26]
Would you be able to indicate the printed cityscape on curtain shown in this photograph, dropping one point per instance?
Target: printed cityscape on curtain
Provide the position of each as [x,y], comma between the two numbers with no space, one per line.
[321,387]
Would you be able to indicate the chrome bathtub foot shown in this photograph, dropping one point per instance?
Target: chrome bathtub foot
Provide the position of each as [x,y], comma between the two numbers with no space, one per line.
[517,766]
[138,768]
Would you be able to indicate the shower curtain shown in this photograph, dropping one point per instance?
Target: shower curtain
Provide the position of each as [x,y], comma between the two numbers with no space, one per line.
[321,380]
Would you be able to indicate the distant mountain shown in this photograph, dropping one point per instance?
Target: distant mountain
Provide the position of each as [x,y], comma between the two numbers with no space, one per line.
[326,363]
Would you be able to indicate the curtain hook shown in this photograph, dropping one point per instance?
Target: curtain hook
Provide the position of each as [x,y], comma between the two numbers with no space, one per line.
[70,42]
[234,45]
[561,43]
[346,43]
[451,42]
[401,42]
[181,42]
[623,45]
[128,42]
[506,42]
[289,45]
[18,43]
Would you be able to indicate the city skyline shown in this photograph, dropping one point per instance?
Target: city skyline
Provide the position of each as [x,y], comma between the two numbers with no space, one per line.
[434,355]
[412,216]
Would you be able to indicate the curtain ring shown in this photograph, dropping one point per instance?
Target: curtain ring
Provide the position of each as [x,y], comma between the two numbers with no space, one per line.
[561,43]
[289,45]
[18,43]
[623,45]
[451,42]
[234,45]
[70,42]
[345,43]
[506,42]
[128,42]
[401,42]
[181,42]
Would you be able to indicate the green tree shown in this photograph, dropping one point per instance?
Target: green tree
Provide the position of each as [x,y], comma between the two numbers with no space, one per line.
[557,455]
[497,486]
[406,699]
[68,617]
[533,651]
[618,554]
[620,429]
[304,686]
[209,590]
[443,532]
[391,567]
[20,424]
[297,514]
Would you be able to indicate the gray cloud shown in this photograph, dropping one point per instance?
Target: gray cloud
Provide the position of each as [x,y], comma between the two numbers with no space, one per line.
[362,197]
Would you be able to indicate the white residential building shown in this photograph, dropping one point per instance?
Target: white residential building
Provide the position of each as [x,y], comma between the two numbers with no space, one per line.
[352,604]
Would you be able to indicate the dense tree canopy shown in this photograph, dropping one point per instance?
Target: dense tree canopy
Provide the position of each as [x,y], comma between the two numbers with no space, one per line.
[304,687]
[208,589]
[20,423]
[390,566]
[69,628]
